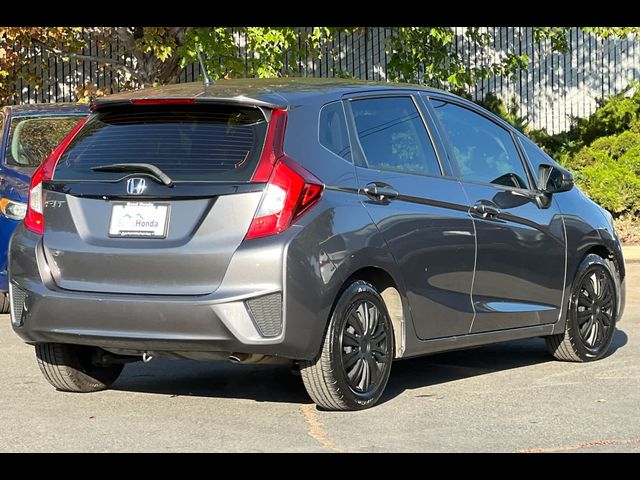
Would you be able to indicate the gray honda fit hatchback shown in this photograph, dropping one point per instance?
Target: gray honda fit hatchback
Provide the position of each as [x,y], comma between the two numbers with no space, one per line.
[338,224]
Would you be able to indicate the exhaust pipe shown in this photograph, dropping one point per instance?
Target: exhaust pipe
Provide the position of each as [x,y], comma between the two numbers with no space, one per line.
[254,358]
[147,357]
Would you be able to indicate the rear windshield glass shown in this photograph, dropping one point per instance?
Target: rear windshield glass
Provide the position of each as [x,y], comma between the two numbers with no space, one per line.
[31,140]
[187,142]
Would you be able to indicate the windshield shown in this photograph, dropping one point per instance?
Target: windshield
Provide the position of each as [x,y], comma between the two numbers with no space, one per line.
[32,139]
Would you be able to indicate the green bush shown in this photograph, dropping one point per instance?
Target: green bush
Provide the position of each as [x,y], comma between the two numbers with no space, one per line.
[510,112]
[612,184]
[623,143]
[615,115]
[603,151]
[607,171]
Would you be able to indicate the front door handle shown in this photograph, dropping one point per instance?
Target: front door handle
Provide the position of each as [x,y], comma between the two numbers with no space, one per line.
[485,210]
[380,192]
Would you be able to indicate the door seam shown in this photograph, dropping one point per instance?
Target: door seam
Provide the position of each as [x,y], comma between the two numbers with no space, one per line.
[475,258]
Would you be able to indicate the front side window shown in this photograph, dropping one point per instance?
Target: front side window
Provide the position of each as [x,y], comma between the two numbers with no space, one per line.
[485,152]
[393,135]
[535,154]
[32,139]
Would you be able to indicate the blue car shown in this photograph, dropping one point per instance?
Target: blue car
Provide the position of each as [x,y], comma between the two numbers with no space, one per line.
[29,133]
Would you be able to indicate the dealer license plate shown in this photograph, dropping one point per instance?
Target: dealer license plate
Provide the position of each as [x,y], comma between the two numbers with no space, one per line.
[139,219]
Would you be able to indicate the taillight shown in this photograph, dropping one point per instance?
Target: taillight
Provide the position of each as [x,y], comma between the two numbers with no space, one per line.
[34,219]
[291,190]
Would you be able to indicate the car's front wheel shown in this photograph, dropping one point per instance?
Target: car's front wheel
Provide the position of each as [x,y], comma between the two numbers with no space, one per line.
[592,314]
[75,368]
[353,366]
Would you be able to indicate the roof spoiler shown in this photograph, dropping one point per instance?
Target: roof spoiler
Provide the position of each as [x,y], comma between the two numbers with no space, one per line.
[102,102]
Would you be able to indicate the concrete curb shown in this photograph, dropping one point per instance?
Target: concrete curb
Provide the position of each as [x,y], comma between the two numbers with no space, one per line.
[631,253]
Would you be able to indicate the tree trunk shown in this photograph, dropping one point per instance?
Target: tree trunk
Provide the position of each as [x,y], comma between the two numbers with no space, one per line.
[148,69]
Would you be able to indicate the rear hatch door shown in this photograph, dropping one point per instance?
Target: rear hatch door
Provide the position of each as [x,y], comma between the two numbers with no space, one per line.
[153,199]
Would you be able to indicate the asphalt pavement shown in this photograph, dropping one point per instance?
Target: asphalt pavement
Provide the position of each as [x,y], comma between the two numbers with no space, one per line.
[510,397]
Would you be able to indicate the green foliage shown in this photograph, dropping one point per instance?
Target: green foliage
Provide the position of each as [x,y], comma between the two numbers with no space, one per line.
[429,55]
[150,56]
[614,115]
[509,112]
[155,55]
[613,184]
[603,151]
[16,46]
[255,51]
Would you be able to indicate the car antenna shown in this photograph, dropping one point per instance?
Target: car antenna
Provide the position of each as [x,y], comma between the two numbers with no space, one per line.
[207,78]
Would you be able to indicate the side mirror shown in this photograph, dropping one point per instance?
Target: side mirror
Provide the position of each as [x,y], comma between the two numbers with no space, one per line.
[554,179]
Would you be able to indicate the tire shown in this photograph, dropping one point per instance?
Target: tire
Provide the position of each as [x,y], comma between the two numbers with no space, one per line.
[70,368]
[355,345]
[592,313]
[4,303]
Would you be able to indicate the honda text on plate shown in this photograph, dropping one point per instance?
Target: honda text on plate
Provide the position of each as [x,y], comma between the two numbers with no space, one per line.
[338,224]
[28,134]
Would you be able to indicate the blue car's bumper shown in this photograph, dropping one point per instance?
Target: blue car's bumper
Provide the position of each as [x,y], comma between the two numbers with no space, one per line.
[6,230]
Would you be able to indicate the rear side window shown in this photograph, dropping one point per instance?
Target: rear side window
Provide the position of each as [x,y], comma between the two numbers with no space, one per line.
[32,139]
[393,135]
[485,152]
[333,130]
[187,142]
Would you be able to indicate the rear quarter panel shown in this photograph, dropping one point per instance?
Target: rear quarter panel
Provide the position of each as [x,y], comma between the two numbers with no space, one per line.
[336,238]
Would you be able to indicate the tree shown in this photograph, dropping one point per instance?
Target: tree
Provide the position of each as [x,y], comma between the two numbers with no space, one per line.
[155,55]
[429,55]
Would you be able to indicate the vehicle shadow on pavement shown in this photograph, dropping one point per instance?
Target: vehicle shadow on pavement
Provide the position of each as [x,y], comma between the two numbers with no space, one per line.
[276,383]
[261,383]
[450,366]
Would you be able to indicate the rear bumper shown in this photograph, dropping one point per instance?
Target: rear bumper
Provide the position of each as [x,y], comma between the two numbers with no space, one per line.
[219,322]
[144,323]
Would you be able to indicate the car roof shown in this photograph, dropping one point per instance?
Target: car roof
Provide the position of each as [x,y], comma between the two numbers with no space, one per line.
[44,109]
[277,92]
[269,92]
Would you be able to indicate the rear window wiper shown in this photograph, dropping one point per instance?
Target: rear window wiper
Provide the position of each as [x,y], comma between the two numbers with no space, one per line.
[136,167]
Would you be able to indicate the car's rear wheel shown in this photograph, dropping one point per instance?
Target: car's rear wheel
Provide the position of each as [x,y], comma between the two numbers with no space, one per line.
[75,368]
[592,314]
[353,366]
[4,303]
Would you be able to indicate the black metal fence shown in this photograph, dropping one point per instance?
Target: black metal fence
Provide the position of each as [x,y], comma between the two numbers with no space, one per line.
[553,89]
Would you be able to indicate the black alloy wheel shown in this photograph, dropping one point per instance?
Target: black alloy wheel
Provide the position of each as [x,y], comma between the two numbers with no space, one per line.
[352,368]
[365,347]
[592,313]
[594,308]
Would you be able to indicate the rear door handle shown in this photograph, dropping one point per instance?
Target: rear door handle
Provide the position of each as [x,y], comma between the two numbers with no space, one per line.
[485,210]
[380,192]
